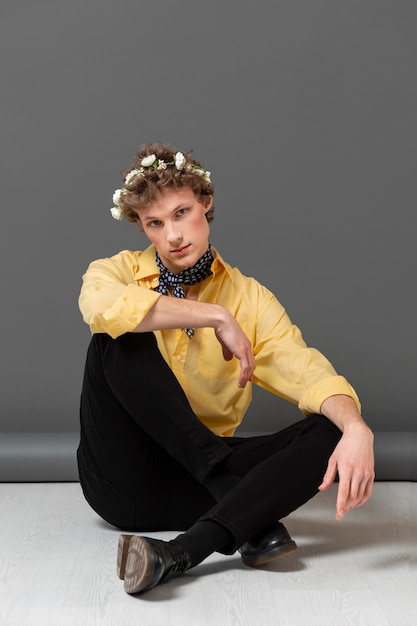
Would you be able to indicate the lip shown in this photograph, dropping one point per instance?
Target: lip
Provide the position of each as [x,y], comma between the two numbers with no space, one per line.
[179,251]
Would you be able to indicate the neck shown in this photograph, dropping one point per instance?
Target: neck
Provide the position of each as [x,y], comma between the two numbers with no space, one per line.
[191,291]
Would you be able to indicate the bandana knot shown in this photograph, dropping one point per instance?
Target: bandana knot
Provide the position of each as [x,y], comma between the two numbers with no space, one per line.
[191,276]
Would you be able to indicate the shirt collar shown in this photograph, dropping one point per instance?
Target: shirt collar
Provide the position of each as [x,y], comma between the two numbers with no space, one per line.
[147,267]
[219,264]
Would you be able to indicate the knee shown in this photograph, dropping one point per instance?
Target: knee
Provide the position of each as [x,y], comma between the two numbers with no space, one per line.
[328,432]
[130,341]
[132,348]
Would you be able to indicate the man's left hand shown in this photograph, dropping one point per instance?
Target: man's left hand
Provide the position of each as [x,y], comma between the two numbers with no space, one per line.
[352,459]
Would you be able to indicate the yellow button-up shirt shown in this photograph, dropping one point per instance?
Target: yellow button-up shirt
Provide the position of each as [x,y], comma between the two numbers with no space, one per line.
[117,293]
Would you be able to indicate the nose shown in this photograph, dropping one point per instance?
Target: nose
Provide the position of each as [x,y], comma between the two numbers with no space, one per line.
[174,236]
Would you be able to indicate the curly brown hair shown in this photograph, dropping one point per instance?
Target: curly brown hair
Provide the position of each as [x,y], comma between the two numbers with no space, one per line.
[140,191]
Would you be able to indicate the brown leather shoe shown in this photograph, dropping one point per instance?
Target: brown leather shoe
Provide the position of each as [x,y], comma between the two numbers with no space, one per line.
[144,562]
[266,545]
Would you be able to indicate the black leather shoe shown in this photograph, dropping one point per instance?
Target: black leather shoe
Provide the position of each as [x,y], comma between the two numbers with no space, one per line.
[267,545]
[144,562]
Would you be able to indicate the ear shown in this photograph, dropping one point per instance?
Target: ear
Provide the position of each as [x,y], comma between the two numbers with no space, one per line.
[207,203]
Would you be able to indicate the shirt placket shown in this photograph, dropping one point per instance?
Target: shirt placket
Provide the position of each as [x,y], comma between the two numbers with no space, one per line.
[179,357]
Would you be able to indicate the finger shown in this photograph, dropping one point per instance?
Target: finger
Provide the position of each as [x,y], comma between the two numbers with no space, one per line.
[361,488]
[364,493]
[368,490]
[355,493]
[245,375]
[247,368]
[342,506]
[329,476]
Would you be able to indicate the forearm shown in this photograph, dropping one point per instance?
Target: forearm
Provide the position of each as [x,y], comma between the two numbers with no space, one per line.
[170,312]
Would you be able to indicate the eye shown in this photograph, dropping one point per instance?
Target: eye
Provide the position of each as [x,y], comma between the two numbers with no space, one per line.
[182,212]
[154,223]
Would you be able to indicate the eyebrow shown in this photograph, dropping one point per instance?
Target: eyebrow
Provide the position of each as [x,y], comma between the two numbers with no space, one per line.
[182,205]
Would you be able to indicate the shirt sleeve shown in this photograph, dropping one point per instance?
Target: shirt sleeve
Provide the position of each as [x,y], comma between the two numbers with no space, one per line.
[111,301]
[286,366]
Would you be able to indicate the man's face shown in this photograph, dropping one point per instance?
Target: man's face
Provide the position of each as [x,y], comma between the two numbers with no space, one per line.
[177,226]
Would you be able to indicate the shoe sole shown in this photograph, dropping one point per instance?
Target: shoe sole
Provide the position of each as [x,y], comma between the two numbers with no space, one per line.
[262,559]
[139,565]
[122,552]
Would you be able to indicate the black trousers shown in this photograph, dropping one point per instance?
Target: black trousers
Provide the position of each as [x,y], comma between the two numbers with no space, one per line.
[145,460]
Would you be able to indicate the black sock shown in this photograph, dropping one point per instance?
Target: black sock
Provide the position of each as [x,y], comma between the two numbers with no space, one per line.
[204,538]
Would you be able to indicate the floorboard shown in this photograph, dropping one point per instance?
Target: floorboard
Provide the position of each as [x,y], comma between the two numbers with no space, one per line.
[58,568]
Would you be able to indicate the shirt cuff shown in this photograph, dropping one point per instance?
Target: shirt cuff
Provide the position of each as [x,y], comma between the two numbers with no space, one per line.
[129,310]
[311,401]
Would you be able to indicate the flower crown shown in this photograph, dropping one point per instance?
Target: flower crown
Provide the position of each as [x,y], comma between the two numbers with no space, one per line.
[149,164]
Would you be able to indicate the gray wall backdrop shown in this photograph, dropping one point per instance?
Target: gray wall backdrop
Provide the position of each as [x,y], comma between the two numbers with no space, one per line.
[304,111]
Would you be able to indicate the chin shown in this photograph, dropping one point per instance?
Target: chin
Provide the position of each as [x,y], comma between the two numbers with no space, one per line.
[180,267]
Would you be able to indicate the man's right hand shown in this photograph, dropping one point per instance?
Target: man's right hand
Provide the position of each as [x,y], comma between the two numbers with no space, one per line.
[235,343]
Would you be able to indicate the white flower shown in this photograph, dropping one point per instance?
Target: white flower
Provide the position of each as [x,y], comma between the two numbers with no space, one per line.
[161,165]
[147,161]
[180,160]
[205,175]
[117,213]
[117,196]
[133,173]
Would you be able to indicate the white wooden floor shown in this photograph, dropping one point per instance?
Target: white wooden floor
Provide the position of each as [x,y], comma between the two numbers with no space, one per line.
[58,558]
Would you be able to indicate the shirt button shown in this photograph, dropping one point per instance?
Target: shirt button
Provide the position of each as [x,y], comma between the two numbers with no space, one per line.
[178,357]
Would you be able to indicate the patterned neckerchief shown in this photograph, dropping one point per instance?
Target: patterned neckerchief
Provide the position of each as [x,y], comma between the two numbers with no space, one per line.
[191,276]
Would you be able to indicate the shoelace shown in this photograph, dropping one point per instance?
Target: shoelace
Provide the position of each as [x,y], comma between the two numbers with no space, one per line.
[180,559]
